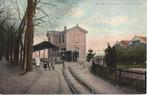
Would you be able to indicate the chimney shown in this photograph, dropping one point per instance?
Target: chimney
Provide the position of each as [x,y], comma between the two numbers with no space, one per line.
[65,28]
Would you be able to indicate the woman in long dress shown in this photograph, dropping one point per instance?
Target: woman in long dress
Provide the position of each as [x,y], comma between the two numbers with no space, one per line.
[37,59]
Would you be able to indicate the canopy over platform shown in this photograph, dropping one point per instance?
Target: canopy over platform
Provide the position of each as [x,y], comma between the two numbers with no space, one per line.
[43,45]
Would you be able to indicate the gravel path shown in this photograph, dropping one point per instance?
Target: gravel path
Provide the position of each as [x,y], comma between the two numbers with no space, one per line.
[99,84]
[11,82]
[38,81]
[46,84]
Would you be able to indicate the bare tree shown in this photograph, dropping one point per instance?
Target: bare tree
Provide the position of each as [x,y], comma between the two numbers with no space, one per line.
[23,47]
[30,32]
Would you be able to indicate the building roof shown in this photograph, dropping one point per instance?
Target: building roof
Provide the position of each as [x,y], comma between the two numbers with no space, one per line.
[43,45]
[141,37]
[68,30]
[77,27]
[53,33]
[123,43]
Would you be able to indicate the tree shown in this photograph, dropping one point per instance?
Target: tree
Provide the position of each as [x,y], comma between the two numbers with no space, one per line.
[30,32]
[90,55]
[133,54]
[7,32]
[110,56]
[22,53]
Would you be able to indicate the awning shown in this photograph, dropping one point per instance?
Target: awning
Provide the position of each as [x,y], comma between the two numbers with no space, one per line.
[44,45]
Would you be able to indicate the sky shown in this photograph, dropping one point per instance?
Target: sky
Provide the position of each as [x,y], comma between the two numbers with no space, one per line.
[106,21]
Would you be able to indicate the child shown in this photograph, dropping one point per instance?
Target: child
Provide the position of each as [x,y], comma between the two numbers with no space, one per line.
[49,65]
[45,65]
[53,64]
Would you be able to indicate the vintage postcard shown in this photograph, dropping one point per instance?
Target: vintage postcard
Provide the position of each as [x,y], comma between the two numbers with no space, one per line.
[73,46]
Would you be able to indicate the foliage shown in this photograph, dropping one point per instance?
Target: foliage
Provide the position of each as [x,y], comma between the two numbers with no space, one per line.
[133,54]
[16,42]
[7,33]
[90,55]
[110,56]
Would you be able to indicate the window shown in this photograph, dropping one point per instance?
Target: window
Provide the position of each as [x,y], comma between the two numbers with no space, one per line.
[63,38]
[59,38]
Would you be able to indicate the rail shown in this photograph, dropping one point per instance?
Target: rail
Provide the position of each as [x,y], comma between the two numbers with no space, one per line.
[74,91]
[86,85]
[59,78]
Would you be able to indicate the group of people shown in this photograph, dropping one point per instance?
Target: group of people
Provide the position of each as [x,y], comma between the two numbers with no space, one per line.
[49,64]
[46,63]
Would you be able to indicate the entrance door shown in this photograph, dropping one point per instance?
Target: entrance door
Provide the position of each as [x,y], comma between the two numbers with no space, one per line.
[75,56]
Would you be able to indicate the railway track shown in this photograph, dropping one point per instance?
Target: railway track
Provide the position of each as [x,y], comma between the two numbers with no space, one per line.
[59,81]
[76,86]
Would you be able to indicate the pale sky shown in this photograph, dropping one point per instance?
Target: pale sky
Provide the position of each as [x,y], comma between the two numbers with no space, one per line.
[105,20]
[108,20]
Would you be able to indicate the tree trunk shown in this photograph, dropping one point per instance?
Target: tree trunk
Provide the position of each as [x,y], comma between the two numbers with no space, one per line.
[8,46]
[29,33]
[16,52]
[25,53]
[21,53]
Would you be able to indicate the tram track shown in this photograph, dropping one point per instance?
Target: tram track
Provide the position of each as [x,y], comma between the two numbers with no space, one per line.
[59,81]
[76,85]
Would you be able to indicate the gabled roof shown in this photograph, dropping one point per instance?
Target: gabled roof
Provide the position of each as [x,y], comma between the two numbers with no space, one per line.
[68,30]
[126,43]
[123,43]
[53,32]
[43,45]
[141,37]
[78,28]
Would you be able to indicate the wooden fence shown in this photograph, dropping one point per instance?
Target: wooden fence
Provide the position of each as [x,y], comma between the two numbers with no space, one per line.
[131,78]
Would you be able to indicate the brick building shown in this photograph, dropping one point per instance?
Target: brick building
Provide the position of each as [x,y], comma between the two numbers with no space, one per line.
[72,43]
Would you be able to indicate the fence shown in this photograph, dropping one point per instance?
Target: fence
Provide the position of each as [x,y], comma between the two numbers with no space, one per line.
[136,79]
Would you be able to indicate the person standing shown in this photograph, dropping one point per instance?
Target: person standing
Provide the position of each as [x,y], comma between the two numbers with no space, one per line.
[53,64]
[63,60]
[37,59]
[45,65]
[49,65]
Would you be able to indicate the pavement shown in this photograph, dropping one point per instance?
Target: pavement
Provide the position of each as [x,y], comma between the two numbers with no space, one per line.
[46,84]
[37,81]
[98,84]
[11,82]
[40,81]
